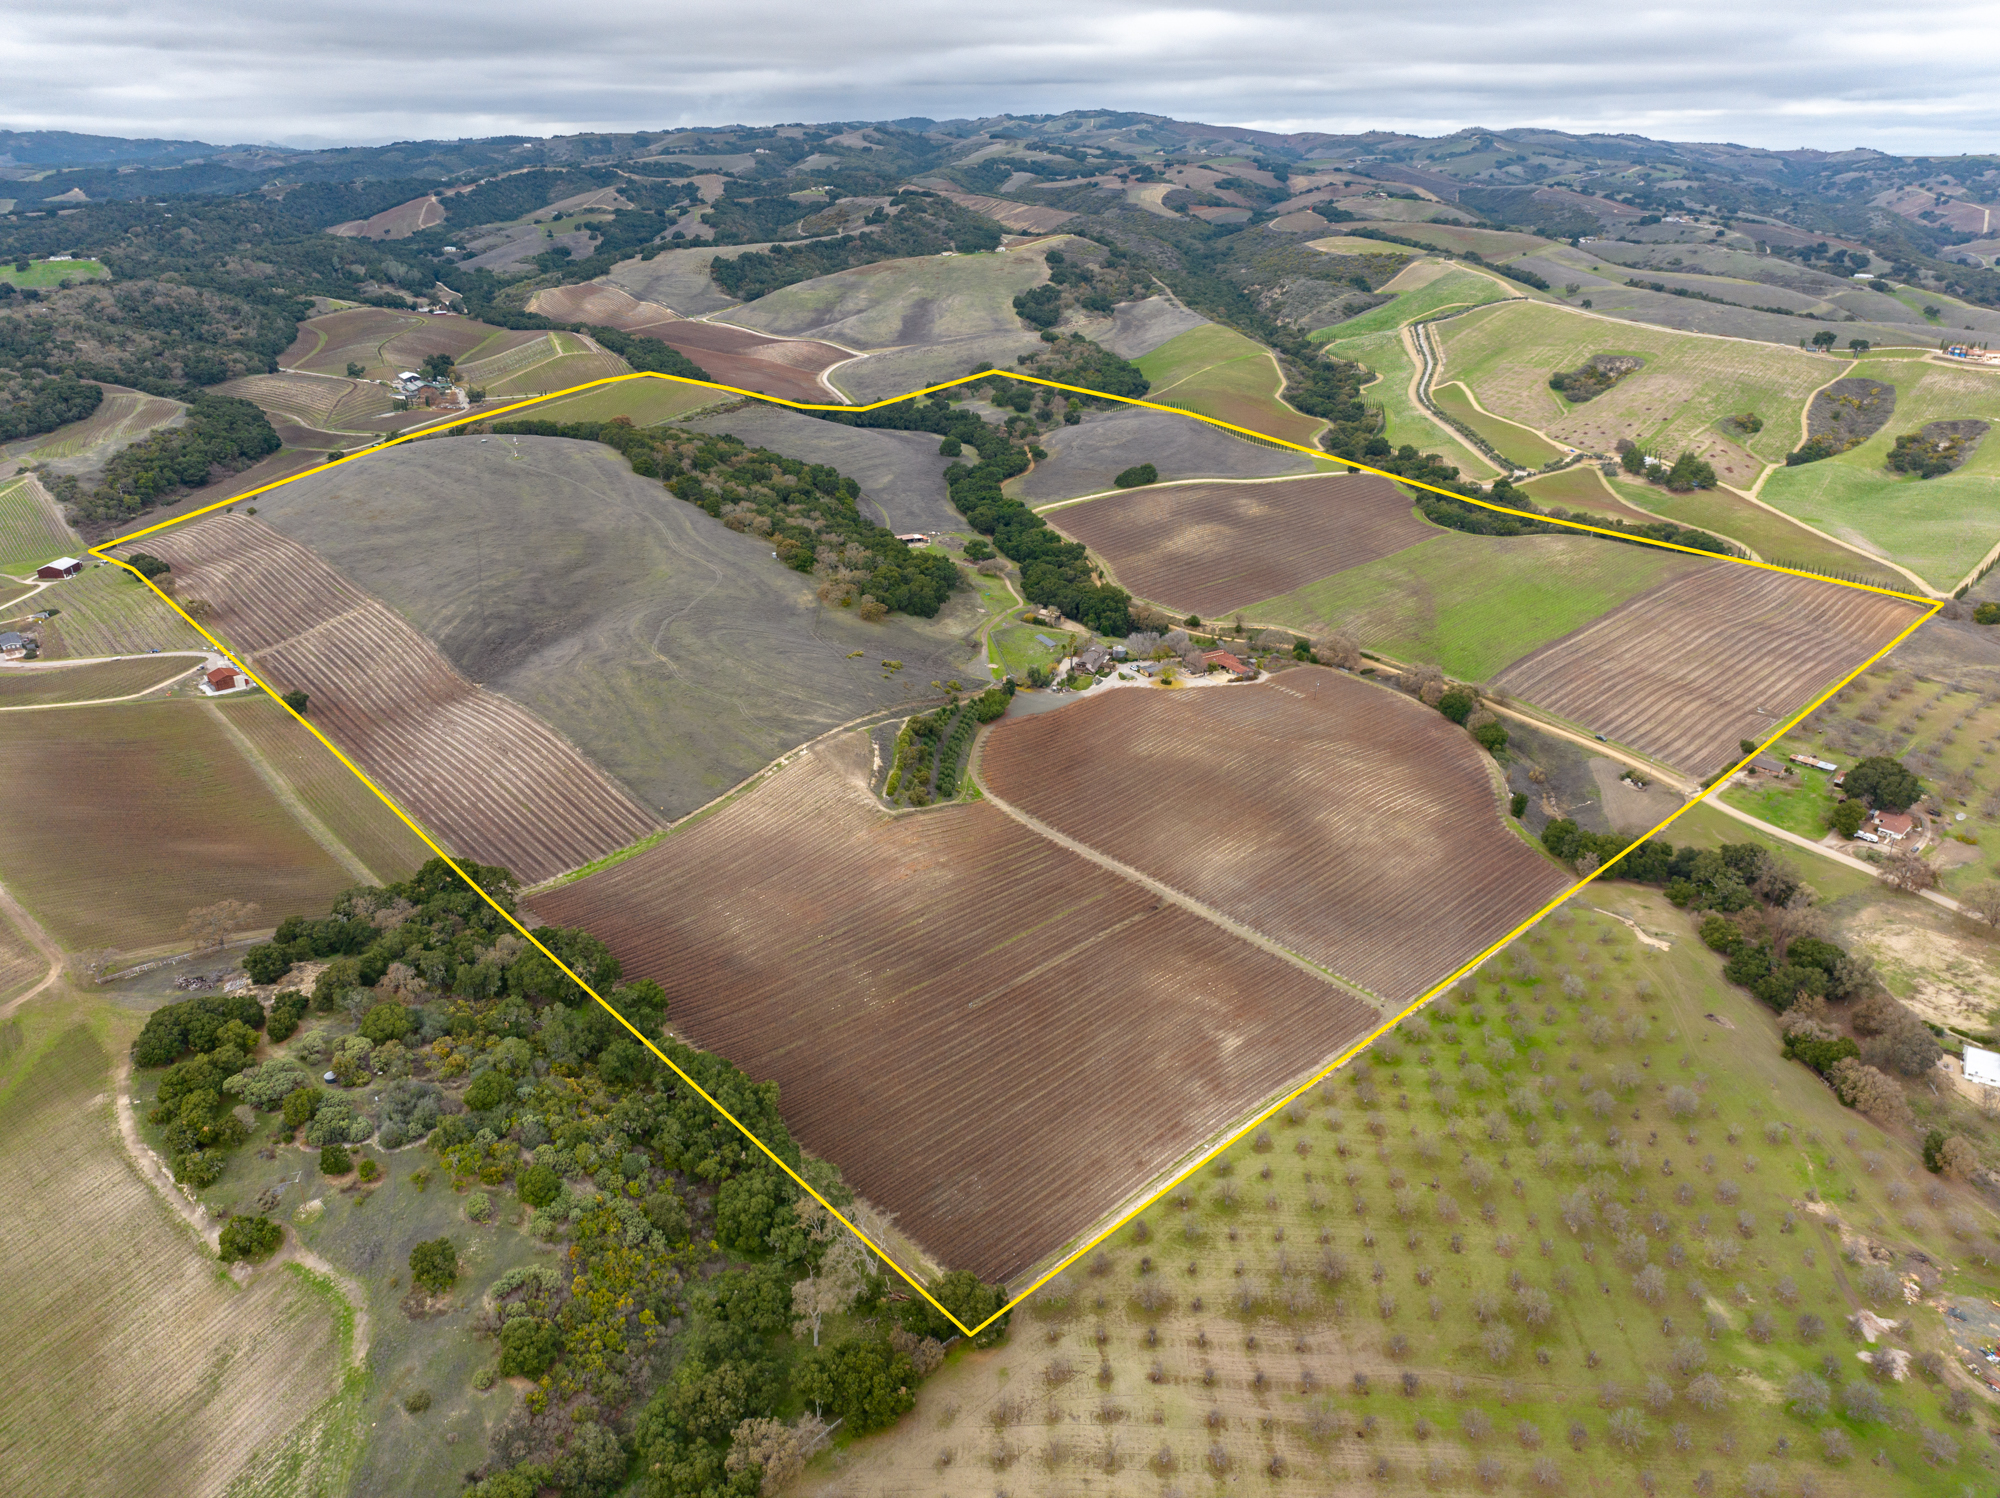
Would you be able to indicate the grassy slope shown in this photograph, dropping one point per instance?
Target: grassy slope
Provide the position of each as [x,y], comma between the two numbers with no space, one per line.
[647,402]
[1687,387]
[1475,604]
[162,1376]
[1938,527]
[1218,372]
[42,274]
[145,810]
[927,299]
[29,534]
[1452,289]
[1771,536]
[1204,1386]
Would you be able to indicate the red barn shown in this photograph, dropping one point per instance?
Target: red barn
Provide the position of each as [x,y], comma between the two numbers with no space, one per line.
[60,567]
[224,679]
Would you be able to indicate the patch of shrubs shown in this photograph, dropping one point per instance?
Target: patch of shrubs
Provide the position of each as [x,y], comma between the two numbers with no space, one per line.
[249,1238]
[193,1025]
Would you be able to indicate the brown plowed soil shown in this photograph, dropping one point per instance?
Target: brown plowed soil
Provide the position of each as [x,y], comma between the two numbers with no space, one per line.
[997,1040]
[492,780]
[1344,820]
[785,367]
[1686,670]
[1208,548]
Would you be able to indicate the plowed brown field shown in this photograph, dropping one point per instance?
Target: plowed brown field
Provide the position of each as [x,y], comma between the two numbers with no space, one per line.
[1344,820]
[1684,671]
[996,1039]
[1211,547]
[491,779]
[785,367]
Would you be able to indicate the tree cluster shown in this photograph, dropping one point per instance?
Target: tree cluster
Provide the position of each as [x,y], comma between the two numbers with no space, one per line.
[223,435]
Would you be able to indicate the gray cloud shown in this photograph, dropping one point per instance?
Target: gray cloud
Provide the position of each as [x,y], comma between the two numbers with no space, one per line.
[1783,74]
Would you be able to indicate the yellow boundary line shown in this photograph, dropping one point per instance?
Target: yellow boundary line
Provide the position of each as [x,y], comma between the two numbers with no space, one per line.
[99,551]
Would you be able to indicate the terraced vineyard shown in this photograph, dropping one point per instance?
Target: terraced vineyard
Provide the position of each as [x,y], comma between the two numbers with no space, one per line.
[108,611]
[314,401]
[1346,821]
[30,532]
[1208,548]
[1684,671]
[493,781]
[997,1040]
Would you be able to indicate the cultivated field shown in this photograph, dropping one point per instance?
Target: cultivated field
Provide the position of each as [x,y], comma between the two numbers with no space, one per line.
[144,811]
[92,682]
[385,342]
[1717,655]
[1022,218]
[1494,244]
[679,655]
[997,1039]
[1211,548]
[1512,441]
[921,320]
[1084,459]
[108,611]
[1940,528]
[326,402]
[488,778]
[1218,372]
[1686,389]
[1310,1316]
[784,367]
[399,222]
[1473,604]
[162,1377]
[555,361]
[121,418]
[31,530]
[329,791]
[1345,821]
[646,402]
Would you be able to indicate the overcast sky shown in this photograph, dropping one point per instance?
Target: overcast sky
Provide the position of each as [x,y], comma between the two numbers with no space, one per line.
[1784,73]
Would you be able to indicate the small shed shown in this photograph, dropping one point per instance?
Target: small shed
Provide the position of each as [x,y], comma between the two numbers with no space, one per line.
[59,568]
[1982,1066]
[223,679]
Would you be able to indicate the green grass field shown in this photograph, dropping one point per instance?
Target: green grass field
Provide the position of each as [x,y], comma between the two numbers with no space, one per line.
[1017,647]
[1579,487]
[1772,537]
[1218,372]
[144,811]
[1687,387]
[1307,1317]
[108,611]
[1940,528]
[30,533]
[1450,290]
[166,1376]
[1404,420]
[43,274]
[1515,443]
[1475,604]
[1800,806]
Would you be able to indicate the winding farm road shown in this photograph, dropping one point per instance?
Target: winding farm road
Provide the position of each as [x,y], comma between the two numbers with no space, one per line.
[43,942]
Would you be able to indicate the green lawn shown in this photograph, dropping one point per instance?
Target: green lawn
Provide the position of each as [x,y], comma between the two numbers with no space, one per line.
[46,273]
[1515,443]
[646,402]
[1475,604]
[1800,807]
[1016,647]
